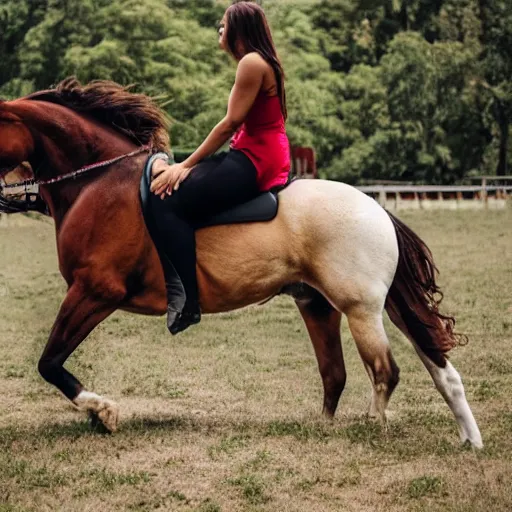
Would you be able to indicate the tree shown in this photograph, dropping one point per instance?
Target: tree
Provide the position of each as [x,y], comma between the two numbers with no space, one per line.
[17,17]
[496,61]
[394,89]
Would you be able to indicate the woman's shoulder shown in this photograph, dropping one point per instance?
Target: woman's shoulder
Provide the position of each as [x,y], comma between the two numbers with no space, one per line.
[253,65]
[253,60]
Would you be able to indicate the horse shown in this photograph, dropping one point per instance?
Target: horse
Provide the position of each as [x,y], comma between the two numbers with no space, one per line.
[330,247]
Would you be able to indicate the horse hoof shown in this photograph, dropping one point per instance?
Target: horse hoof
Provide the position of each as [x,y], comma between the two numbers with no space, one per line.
[100,409]
[476,444]
[109,416]
[376,417]
[96,424]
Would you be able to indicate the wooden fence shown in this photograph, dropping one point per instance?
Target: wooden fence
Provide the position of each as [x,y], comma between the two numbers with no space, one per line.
[399,197]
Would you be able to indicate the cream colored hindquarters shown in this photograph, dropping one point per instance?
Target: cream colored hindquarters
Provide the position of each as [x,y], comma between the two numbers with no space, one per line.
[327,234]
[342,243]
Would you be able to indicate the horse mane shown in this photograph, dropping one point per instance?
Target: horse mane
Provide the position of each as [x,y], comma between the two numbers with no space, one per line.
[136,116]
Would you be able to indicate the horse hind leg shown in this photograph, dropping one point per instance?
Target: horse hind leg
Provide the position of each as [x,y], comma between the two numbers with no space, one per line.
[372,344]
[78,316]
[323,325]
[448,382]
[412,307]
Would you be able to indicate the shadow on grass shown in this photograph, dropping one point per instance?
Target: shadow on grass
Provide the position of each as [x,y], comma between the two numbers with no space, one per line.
[415,433]
[49,433]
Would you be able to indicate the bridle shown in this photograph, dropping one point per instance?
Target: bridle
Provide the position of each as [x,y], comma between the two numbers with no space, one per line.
[30,188]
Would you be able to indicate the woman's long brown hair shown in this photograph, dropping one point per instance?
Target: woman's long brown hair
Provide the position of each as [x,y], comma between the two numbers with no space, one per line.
[247,24]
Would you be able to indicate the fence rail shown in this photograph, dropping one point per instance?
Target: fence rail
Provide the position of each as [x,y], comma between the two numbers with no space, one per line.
[441,196]
[432,188]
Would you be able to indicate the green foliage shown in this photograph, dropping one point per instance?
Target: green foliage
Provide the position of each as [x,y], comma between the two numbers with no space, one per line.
[396,90]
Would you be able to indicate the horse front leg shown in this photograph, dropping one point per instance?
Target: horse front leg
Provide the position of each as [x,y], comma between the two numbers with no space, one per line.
[79,314]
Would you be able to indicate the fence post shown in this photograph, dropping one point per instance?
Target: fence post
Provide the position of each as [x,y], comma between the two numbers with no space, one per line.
[459,198]
[417,200]
[382,197]
[423,199]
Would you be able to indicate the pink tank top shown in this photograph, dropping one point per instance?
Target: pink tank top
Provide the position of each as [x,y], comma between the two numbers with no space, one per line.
[262,137]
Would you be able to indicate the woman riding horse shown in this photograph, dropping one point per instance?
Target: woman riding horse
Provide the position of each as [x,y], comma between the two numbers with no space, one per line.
[259,158]
[331,247]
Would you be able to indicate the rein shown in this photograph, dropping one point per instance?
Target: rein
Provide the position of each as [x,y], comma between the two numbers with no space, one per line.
[78,172]
[32,199]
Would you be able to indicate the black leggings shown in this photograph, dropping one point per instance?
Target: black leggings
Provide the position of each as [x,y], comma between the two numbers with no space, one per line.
[216,184]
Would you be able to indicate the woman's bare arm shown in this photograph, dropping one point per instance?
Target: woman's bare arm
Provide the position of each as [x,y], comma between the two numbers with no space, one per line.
[248,81]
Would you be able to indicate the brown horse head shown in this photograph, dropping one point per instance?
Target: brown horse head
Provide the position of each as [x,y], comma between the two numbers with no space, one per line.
[61,129]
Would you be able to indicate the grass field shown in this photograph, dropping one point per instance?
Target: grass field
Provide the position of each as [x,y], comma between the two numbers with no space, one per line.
[226,417]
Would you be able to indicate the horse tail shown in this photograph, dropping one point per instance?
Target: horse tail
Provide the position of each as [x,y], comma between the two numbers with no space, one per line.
[414,297]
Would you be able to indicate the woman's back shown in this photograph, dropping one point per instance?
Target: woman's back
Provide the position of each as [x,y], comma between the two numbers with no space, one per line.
[262,137]
[265,114]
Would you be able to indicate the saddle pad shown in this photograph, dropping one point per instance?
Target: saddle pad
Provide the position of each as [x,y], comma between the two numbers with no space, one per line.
[262,208]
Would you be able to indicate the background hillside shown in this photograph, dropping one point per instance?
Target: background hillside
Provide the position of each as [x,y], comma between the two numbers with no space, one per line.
[413,89]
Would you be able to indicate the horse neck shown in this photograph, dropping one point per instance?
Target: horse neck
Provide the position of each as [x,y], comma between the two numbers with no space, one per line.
[66,141]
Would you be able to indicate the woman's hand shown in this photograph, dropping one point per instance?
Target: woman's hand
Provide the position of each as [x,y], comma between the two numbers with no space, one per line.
[159,166]
[169,178]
